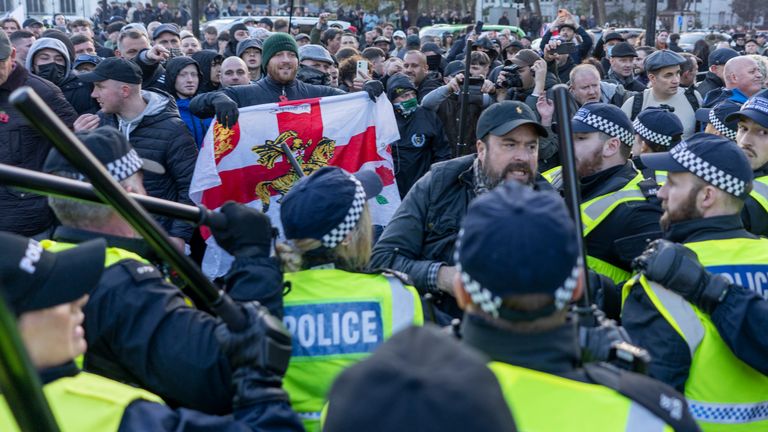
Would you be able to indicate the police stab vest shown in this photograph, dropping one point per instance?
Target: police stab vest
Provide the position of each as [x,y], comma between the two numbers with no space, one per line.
[760,191]
[542,402]
[84,402]
[724,393]
[337,318]
[594,211]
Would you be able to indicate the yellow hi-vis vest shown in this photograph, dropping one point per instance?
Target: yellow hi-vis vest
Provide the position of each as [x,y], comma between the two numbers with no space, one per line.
[542,402]
[84,402]
[724,393]
[594,211]
[760,191]
[337,318]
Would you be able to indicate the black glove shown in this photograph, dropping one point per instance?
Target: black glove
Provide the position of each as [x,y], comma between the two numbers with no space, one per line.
[374,88]
[248,232]
[596,341]
[226,110]
[259,356]
[677,268]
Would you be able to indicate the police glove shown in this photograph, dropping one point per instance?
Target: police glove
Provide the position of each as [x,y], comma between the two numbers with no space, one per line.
[374,88]
[596,340]
[677,268]
[258,354]
[247,232]
[226,110]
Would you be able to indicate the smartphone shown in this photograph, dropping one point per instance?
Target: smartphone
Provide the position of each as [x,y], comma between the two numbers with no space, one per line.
[566,48]
[362,70]
[175,52]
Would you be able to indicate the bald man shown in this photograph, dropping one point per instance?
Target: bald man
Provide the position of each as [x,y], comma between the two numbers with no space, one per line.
[415,67]
[742,78]
[234,72]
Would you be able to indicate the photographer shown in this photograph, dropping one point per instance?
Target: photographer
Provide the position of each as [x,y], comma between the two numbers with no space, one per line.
[446,100]
[516,81]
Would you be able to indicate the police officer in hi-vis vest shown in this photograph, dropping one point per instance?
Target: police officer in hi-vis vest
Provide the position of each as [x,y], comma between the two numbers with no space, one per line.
[336,312]
[517,277]
[48,292]
[618,213]
[725,383]
[141,329]
[752,137]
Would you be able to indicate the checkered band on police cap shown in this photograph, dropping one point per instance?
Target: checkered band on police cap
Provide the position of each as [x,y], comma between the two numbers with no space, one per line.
[706,171]
[650,135]
[124,167]
[721,127]
[490,303]
[338,234]
[626,136]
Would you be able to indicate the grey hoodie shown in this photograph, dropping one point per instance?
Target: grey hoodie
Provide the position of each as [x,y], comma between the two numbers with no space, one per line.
[53,44]
[156,103]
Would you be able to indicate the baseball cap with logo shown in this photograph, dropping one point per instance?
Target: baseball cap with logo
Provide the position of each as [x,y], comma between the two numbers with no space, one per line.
[502,117]
[111,149]
[114,68]
[32,278]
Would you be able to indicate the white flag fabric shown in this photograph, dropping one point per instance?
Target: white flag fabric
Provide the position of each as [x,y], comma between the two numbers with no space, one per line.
[246,164]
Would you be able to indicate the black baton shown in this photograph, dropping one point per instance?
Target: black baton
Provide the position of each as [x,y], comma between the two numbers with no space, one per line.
[51,185]
[49,125]
[570,180]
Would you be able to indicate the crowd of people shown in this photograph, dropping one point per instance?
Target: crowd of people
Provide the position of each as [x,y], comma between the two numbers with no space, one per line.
[671,163]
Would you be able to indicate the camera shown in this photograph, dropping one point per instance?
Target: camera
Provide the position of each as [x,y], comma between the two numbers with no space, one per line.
[513,77]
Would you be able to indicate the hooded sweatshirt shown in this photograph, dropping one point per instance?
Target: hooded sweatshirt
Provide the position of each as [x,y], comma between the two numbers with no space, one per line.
[197,126]
[77,92]
[205,60]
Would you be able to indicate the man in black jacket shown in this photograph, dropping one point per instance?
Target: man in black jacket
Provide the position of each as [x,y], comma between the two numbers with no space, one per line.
[420,238]
[714,79]
[151,122]
[21,145]
[48,58]
[422,141]
[280,63]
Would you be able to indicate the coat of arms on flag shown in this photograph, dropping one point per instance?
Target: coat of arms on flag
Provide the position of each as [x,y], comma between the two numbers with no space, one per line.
[246,163]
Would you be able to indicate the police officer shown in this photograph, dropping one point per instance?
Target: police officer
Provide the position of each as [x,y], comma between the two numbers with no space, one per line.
[520,320]
[336,311]
[656,130]
[49,302]
[422,139]
[618,214]
[752,137]
[708,179]
[714,119]
[140,328]
[419,240]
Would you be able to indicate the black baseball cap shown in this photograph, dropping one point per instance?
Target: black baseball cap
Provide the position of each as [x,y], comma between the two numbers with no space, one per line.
[165,28]
[721,56]
[716,160]
[114,68]
[614,36]
[32,278]
[333,198]
[32,22]
[502,117]
[427,381]
[112,149]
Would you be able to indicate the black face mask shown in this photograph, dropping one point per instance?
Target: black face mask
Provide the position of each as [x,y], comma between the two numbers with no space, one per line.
[311,75]
[53,72]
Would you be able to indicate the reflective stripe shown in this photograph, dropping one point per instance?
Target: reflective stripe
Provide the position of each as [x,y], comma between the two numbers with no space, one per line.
[684,316]
[594,210]
[760,192]
[760,188]
[642,420]
[402,305]
[314,415]
[557,179]
[728,413]
[661,177]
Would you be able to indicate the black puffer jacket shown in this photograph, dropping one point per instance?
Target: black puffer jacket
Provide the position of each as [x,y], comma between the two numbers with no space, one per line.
[78,93]
[160,135]
[266,90]
[22,146]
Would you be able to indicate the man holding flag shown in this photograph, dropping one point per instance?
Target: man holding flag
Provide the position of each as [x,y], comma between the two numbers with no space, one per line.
[280,63]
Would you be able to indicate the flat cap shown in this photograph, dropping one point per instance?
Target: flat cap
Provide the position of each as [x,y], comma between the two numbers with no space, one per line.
[623,49]
[663,58]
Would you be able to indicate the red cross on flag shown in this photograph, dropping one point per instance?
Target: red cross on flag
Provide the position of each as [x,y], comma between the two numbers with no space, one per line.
[246,163]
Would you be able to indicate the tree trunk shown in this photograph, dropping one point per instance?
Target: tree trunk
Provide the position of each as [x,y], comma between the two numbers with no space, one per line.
[536,8]
[601,17]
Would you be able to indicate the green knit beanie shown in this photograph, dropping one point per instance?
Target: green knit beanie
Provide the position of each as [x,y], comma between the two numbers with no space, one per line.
[274,44]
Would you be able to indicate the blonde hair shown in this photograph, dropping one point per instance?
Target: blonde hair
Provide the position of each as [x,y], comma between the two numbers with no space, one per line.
[353,254]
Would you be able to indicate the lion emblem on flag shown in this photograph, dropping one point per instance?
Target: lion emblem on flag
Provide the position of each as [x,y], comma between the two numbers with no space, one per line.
[309,160]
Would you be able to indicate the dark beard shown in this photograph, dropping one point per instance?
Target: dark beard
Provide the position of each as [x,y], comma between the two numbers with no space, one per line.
[492,179]
[585,168]
[686,211]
